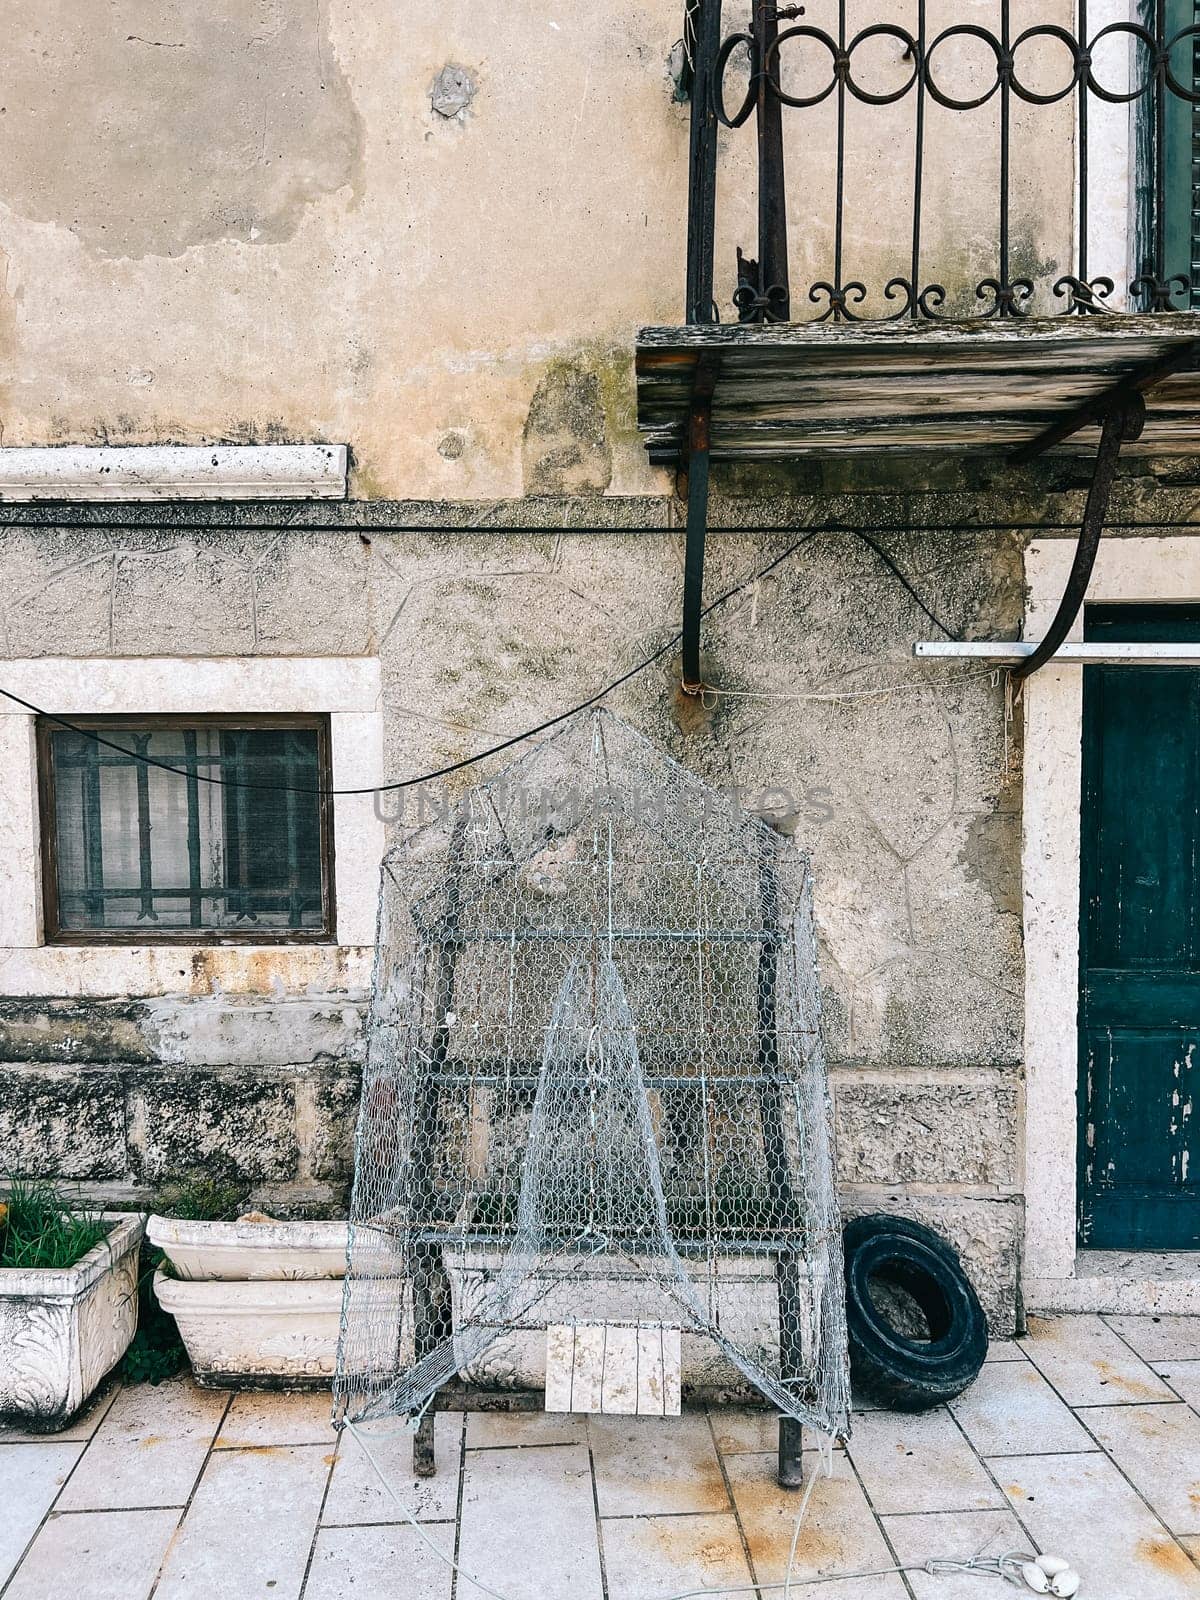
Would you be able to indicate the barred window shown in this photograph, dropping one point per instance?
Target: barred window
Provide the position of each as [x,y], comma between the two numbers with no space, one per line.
[137,854]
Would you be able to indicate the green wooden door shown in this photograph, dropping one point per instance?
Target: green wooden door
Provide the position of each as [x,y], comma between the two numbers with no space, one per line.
[1139,1014]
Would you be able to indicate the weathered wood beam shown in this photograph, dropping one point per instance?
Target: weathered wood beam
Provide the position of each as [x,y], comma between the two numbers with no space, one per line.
[791,390]
[1118,398]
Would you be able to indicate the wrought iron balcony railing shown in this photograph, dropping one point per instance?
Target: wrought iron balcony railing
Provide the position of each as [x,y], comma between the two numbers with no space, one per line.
[936,169]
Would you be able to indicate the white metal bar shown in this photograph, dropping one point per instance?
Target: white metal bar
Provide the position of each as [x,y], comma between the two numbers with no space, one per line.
[174,472]
[1010,652]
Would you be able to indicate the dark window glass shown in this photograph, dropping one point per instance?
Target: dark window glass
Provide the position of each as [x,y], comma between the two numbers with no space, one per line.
[136,852]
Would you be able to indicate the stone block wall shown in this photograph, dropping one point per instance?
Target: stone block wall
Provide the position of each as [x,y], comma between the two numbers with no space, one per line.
[119,1097]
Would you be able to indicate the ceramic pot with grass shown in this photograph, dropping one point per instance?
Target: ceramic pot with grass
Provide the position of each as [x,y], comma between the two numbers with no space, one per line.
[64,1328]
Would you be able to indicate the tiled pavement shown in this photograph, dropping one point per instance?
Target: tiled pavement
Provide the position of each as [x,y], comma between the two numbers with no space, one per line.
[1083,1439]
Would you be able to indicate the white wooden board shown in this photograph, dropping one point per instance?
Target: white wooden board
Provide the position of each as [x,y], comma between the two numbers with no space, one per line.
[618,1369]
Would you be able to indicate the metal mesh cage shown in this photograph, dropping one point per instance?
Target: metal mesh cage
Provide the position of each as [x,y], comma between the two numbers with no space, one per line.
[594,1089]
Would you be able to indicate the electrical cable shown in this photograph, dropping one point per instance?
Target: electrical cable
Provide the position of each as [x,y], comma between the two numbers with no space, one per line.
[718,693]
[367,530]
[410,1518]
[824,1470]
[901,579]
[427,777]
[513,739]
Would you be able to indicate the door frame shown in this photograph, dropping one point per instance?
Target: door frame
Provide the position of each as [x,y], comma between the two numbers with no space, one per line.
[1055,1271]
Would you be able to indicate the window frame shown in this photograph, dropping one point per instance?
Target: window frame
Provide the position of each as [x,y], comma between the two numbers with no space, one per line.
[1181,121]
[53,931]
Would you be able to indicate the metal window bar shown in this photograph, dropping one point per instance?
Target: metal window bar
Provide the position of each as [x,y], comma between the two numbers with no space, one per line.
[1082,195]
[917,52]
[195,900]
[89,760]
[1160,149]
[93,839]
[147,913]
[1194,170]
[764,292]
[282,897]
[241,825]
[295,902]
[1006,290]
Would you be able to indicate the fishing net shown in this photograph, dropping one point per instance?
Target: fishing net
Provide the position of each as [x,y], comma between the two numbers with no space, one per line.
[594,1091]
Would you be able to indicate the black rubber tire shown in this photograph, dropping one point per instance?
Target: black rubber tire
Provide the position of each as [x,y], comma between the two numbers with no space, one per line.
[885,1365]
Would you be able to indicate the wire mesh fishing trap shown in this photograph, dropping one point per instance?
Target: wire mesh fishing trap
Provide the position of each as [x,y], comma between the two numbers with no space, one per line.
[594,1090]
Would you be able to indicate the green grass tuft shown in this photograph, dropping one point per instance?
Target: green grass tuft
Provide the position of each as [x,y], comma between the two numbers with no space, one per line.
[40,1230]
[157,1352]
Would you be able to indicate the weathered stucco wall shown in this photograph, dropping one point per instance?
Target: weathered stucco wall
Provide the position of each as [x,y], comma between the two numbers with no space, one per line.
[431,233]
[908,801]
[428,231]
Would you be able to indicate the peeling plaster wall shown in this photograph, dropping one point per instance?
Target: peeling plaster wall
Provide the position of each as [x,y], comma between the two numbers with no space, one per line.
[184,187]
[241,102]
[467,207]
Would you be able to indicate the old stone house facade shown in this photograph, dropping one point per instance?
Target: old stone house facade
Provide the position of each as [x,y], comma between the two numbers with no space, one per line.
[422,245]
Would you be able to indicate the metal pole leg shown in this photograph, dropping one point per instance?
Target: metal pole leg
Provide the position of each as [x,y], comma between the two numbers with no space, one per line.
[432,1316]
[781,1190]
[791,1461]
[424,1453]
[703,385]
[1122,423]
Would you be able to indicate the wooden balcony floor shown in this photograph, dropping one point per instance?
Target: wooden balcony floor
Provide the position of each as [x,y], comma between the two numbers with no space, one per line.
[786,390]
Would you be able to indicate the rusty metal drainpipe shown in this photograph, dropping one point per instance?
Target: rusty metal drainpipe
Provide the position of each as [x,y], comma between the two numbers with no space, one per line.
[699,421]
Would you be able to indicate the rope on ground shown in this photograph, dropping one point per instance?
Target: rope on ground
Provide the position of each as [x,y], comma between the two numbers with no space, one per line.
[1014,1566]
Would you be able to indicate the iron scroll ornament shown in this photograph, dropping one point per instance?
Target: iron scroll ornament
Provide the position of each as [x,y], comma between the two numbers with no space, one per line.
[1003,293]
[922,73]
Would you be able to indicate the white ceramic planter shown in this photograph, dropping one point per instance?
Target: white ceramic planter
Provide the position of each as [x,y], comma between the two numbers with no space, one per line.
[61,1332]
[747,1302]
[279,1334]
[241,1252]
